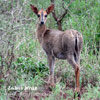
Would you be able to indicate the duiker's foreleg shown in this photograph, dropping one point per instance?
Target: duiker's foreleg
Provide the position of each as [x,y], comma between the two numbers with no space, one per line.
[51,61]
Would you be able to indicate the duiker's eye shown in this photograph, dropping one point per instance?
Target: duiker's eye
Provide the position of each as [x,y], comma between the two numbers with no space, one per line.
[45,15]
[38,15]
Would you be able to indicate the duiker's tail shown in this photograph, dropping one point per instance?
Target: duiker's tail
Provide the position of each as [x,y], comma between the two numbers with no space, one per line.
[77,49]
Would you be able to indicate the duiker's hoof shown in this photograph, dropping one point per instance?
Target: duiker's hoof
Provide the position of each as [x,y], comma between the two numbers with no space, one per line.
[77,95]
[52,85]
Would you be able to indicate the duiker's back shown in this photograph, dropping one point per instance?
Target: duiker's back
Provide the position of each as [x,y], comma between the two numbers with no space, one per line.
[60,44]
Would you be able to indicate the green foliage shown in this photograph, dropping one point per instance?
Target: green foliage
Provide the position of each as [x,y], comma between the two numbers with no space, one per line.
[92,92]
[27,65]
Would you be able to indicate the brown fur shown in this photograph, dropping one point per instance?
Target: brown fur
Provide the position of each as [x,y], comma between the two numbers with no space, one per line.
[56,42]
[65,45]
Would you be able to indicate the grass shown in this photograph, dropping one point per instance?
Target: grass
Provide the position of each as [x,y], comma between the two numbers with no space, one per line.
[27,72]
[29,67]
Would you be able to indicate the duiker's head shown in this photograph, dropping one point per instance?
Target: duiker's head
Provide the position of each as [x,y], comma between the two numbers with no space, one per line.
[42,14]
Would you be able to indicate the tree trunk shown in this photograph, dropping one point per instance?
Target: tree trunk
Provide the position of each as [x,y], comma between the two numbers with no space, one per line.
[59,25]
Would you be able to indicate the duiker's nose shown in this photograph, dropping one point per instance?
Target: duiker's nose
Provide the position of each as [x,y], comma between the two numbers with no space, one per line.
[42,22]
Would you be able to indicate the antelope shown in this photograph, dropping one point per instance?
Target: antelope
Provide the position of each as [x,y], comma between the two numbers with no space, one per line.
[66,45]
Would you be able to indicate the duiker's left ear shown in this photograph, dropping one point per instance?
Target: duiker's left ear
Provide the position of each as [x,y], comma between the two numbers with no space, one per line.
[50,9]
[35,10]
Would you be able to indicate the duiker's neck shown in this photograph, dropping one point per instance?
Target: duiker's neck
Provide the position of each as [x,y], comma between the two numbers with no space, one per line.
[40,31]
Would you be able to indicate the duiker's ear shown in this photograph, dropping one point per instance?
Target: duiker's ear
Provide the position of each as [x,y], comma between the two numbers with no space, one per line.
[50,9]
[35,10]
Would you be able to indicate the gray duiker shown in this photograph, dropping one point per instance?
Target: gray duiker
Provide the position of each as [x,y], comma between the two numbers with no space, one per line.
[65,45]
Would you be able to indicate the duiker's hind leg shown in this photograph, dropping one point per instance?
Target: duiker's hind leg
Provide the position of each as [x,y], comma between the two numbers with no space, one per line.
[51,61]
[75,65]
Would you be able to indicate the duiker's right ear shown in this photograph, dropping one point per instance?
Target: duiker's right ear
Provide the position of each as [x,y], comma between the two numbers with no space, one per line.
[50,9]
[35,10]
